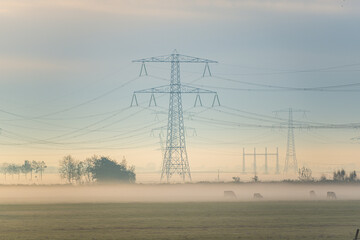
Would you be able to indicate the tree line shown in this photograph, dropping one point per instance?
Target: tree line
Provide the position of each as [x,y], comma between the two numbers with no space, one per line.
[341,176]
[27,168]
[95,169]
[305,174]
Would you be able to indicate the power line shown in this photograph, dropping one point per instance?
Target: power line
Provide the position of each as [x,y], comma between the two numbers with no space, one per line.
[288,88]
[284,89]
[280,72]
[72,107]
[90,82]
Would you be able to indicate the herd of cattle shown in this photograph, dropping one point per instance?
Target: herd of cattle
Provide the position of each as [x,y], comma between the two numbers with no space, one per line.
[232,195]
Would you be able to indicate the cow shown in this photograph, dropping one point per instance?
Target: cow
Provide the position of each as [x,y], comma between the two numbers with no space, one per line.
[229,195]
[331,195]
[312,194]
[258,196]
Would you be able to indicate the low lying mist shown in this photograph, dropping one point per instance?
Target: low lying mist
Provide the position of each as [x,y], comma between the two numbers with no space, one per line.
[173,193]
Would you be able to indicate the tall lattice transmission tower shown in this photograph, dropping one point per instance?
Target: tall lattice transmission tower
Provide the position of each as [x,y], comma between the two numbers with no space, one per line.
[291,163]
[175,158]
[290,160]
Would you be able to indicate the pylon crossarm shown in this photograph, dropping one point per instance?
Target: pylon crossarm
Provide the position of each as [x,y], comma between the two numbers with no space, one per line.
[167,89]
[190,89]
[161,89]
[179,57]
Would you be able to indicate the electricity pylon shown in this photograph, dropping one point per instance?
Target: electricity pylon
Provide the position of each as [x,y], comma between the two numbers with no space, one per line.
[290,160]
[291,164]
[175,160]
[160,133]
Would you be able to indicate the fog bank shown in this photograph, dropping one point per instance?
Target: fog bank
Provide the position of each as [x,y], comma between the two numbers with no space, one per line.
[172,193]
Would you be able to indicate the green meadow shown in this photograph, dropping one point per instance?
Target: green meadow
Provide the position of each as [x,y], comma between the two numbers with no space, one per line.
[192,220]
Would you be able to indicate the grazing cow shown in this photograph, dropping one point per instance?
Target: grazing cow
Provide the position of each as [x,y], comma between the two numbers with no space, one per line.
[258,196]
[331,195]
[229,195]
[312,194]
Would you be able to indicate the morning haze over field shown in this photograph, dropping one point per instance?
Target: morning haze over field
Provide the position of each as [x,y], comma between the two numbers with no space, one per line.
[67,81]
[169,119]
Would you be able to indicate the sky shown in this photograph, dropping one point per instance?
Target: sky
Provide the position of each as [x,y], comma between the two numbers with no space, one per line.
[67,79]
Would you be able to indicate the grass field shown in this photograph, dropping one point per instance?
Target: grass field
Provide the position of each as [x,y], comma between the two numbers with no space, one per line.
[211,220]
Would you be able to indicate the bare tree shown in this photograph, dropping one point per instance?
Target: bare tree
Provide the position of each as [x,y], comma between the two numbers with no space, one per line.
[13,169]
[339,175]
[69,169]
[41,166]
[26,168]
[87,168]
[4,169]
[352,176]
[305,174]
[35,167]
[79,172]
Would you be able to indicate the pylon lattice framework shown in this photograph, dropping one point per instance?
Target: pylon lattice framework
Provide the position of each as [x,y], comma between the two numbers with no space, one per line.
[175,158]
[291,163]
[290,160]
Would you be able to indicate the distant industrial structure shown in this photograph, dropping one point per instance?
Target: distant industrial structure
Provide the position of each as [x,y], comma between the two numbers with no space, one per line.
[266,154]
[175,158]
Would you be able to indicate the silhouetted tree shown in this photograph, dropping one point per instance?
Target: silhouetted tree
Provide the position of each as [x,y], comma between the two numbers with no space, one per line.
[79,171]
[26,168]
[305,174]
[255,178]
[13,169]
[88,165]
[339,175]
[4,169]
[323,178]
[35,167]
[68,169]
[41,168]
[352,177]
[106,170]
[236,179]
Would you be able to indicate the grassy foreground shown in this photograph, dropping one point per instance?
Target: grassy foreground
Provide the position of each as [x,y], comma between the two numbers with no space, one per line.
[215,220]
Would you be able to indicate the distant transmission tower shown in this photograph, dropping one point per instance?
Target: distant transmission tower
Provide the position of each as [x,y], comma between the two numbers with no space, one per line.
[291,164]
[175,159]
[290,160]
